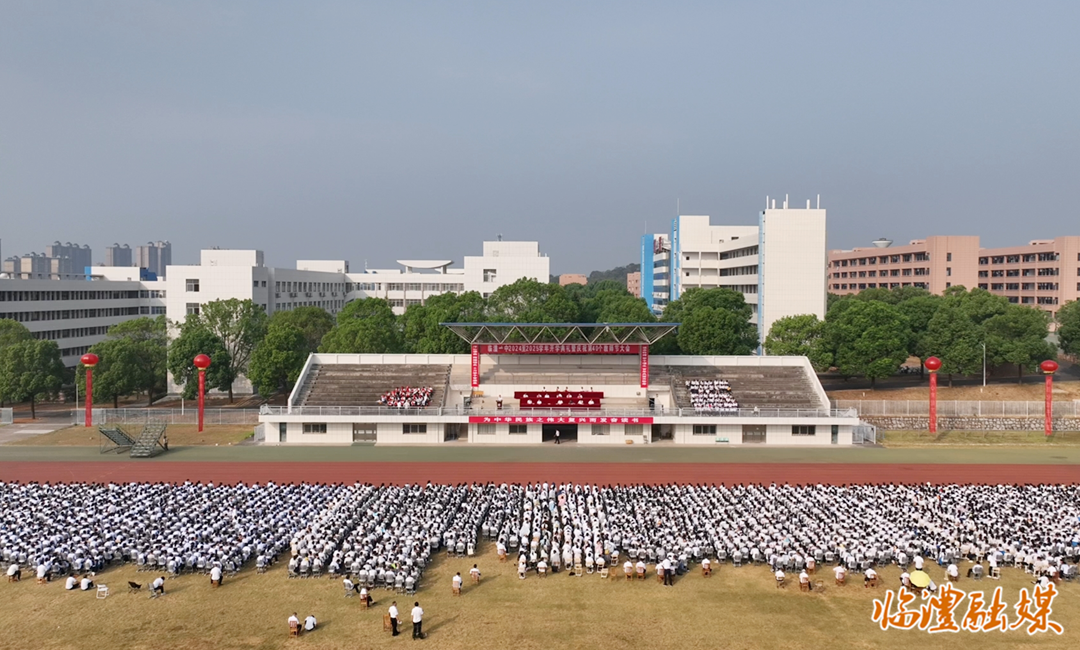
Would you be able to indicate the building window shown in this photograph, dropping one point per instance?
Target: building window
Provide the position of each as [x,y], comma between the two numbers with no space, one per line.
[192,284]
[803,430]
[313,427]
[414,428]
[633,429]
[704,429]
[193,309]
[601,429]
[519,429]
[489,275]
[1027,286]
[254,284]
[948,257]
[983,274]
[948,269]
[485,429]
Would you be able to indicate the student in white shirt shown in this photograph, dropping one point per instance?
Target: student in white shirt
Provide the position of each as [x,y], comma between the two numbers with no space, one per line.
[70,583]
[86,584]
[417,621]
[840,572]
[457,581]
[294,622]
[158,585]
[474,572]
[871,575]
[14,571]
[309,623]
[394,618]
[215,576]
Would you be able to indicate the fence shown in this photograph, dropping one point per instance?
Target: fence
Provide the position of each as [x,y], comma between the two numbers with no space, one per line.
[168,416]
[864,434]
[6,416]
[957,408]
[322,411]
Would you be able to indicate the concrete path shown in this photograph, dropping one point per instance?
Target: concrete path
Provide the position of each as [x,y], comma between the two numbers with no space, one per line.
[12,432]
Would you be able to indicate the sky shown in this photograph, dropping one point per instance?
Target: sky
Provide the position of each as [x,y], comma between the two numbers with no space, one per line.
[400,130]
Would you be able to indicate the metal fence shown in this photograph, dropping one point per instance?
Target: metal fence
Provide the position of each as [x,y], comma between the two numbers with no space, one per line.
[7,416]
[168,416]
[958,408]
[864,434]
[322,411]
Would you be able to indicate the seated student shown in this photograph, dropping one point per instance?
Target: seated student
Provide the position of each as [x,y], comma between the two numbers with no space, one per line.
[42,572]
[158,585]
[14,572]
[215,576]
[953,573]
[349,586]
[70,583]
[869,576]
[309,623]
[840,572]
[475,573]
[294,623]
[706,566]
[86,584]
[457,581]
[541,568]
[521,567]
[804,579]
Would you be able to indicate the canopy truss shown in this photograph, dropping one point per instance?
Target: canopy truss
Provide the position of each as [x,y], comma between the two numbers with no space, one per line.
[499,333]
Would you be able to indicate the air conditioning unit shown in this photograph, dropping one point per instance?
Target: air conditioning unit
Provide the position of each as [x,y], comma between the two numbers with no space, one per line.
[322,293]
[307,293]
[292,295]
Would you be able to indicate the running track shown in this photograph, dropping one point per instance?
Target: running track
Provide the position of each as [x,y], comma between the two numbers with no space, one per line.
[600,473]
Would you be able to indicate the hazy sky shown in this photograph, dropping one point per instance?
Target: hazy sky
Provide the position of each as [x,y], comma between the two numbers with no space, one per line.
[373,132]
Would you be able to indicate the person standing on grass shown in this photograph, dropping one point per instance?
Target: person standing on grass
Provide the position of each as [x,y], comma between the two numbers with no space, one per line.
[393,618]
[417,621]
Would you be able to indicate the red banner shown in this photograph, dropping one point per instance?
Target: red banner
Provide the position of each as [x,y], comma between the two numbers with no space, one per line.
[644,366]
[560,348]
[554,419]
[475,365]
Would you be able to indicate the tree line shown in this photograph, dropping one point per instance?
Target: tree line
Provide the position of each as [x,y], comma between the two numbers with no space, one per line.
[872,333]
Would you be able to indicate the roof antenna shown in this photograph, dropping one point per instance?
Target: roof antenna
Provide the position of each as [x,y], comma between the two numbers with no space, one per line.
[499,237]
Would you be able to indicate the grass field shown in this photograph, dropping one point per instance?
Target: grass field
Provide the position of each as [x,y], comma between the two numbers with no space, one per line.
[895,439]
[736,608]
[180,435]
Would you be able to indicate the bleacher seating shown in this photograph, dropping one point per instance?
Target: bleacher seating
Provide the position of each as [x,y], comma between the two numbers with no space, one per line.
[711,395]
[363,385]
[149,441]
[407,397]
[559,399]
[117,437]
[764,387]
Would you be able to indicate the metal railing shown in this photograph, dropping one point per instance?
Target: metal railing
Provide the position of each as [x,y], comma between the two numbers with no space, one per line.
[958,408]
[382,411]
[168,416]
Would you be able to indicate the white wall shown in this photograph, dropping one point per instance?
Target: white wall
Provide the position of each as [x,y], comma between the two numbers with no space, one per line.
[795,258]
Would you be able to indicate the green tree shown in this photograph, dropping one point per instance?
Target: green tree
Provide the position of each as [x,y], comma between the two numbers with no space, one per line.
[712,331]
[867,338]
[132,359]
[30,370]
[953,337]
[1019,337]
[529,301]
[918,310]
[801,336]
[278,359]
[364,326]
[1068,327]
[195,339]
[12,331]
[239,324]
[314,322]
[420,324]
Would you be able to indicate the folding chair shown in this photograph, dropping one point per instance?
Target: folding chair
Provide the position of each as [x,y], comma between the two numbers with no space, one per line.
[102,591]
[134,587]
[455,590]
[349,592]
[294,629]
[604,573]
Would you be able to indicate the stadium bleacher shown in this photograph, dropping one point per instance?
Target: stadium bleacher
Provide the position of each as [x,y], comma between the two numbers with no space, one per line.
[364,385]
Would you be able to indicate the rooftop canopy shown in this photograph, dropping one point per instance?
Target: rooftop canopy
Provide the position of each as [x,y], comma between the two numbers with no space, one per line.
[481,333]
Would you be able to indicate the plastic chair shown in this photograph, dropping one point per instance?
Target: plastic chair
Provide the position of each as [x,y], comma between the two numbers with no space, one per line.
[102,591]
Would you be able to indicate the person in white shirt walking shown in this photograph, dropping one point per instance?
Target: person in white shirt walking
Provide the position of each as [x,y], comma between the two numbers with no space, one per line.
[417,621]
[393,618]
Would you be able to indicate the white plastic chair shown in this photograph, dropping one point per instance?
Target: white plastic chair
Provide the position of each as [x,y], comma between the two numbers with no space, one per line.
[102,591]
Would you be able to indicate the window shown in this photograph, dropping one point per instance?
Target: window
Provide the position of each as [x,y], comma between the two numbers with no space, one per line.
[948,257]
[983,285]
[601,429]
[1027,286]
[485,429]
[519,429]
[192,284]
[997,273]
[1012,286]
[1047,300]
[254,284]
[1027,300]
[704,429]
[633,429]
[312,427]
[1050,271]
[948,269]
[193,308]
[489,275]
[1029,257]
[983,274]
[803,430]
[997,286]
[262,283]
[414,428]
[984,260]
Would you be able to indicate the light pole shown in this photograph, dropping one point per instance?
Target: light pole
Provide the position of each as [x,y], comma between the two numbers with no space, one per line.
[1049,367]
[984,365]
[933,364]
[89,360]
[202,362]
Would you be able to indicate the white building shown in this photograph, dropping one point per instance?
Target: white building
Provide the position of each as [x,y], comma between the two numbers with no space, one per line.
[778,265]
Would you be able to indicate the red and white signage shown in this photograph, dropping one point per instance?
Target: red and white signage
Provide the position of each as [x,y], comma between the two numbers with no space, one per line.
[554,419]
[475,365]
[644,366]
[560,348]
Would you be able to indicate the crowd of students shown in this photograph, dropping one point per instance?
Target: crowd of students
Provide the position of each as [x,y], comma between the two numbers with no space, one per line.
[407,397]
[711,395]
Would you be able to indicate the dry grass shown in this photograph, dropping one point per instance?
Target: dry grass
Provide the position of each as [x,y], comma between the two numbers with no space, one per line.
[180,435]
[898,439]
[737,608]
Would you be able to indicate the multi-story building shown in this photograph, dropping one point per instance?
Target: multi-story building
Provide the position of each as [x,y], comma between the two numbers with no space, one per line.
[58,262]
[572,278]
[633,284]
[772,264]
[154,257]
[1044,273]
[69,259]
[117,255]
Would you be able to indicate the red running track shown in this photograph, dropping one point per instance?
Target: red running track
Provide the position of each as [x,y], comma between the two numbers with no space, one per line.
[600,473]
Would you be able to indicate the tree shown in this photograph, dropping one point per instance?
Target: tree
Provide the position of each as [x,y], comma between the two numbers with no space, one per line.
[799,336]
[918,310]
[420,324]
[313,322]
[529,301]
[239,324]
[30,370]
[132,359]
[195,339]
[867,338]
[954,337]
[12,331]
[364,326]
[1068,328]
[1019,337]
[710,331]
[278,359]
[617,274]
[741,336]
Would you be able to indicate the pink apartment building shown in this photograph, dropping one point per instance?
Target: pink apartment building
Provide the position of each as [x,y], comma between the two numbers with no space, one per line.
[1044,273]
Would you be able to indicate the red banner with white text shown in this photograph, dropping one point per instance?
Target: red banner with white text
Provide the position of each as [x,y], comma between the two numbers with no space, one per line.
[475,365]
[555,419]
[561,348]
[644,366]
